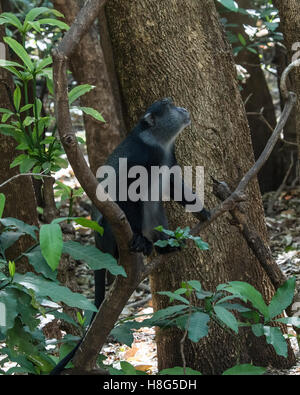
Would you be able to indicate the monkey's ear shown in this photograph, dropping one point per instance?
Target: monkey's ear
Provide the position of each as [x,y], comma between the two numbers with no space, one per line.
[149,119]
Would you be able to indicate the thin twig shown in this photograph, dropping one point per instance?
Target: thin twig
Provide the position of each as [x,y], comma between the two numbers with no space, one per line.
[23,174]
[262,117]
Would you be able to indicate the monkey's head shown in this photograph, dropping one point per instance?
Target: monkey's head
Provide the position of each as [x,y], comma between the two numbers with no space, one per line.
[164,120]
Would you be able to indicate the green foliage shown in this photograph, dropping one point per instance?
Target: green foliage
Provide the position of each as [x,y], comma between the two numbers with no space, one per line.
[245,369]
[35,132]
[126,369]
[178,237]
[226,306]
[262,33]
[179,371]
[65,192]
[28,297]
[229,4]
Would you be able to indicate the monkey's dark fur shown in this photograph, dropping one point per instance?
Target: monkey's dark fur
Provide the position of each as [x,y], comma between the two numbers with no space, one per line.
[150,143]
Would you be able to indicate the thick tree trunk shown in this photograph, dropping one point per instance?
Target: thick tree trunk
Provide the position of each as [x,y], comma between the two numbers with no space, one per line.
[170,48]
[88,67]
[289,12]
[256,93]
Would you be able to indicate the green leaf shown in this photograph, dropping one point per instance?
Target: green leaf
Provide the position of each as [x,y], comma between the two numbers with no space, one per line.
[161,243]
[20,51]
[242,39]
[26,107]
[6,117]
[168,312]
[2,203]
[39,264]
[57,293]
[202,245]
[230,4]
[8,17]
[20,226]
[63,163]
[78,91]
[6,63]
[95,258]
[275,337]
[8,297]
[250,49]
[54,22]
[123,333]
[87,223]
[203,294]
[248,292]
[174,296]
[295,321]
[51,242]
[226,317]
[18,159]
[198,327]
[43,63]
[27,164]
[127,368]
[244,369]
[37,11]
[195,284]
[11,268]
[179,371]
[5,110]
[282,298]
[17,98]
[9,238]
[9,130]
[93,113]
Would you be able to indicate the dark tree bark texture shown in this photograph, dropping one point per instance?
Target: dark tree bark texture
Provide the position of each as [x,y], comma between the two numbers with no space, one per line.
[178,49]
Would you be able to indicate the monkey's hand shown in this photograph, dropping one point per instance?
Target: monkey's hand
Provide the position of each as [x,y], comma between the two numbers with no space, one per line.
[203,215]
[139,243]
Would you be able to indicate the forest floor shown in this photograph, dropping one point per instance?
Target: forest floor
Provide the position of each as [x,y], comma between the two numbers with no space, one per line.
[283,223]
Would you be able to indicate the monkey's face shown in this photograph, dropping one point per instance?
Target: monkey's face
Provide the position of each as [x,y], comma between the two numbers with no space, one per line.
[165,120]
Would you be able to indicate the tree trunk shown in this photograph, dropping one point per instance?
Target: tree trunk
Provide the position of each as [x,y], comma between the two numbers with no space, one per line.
[88,67]
[170,48]
[20,198]
[289,12]
[256,93]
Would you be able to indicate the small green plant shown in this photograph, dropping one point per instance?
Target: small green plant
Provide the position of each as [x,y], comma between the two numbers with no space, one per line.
[34,132]
[219,306]
[178,237]
[26,298]
[66,192]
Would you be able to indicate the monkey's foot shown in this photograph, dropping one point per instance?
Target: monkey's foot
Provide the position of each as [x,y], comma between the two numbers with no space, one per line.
[139,243]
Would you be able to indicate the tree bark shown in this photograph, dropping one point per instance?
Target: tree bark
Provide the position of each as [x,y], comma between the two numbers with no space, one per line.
[166,48]
[88,67]
[256,93]
[289,12]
